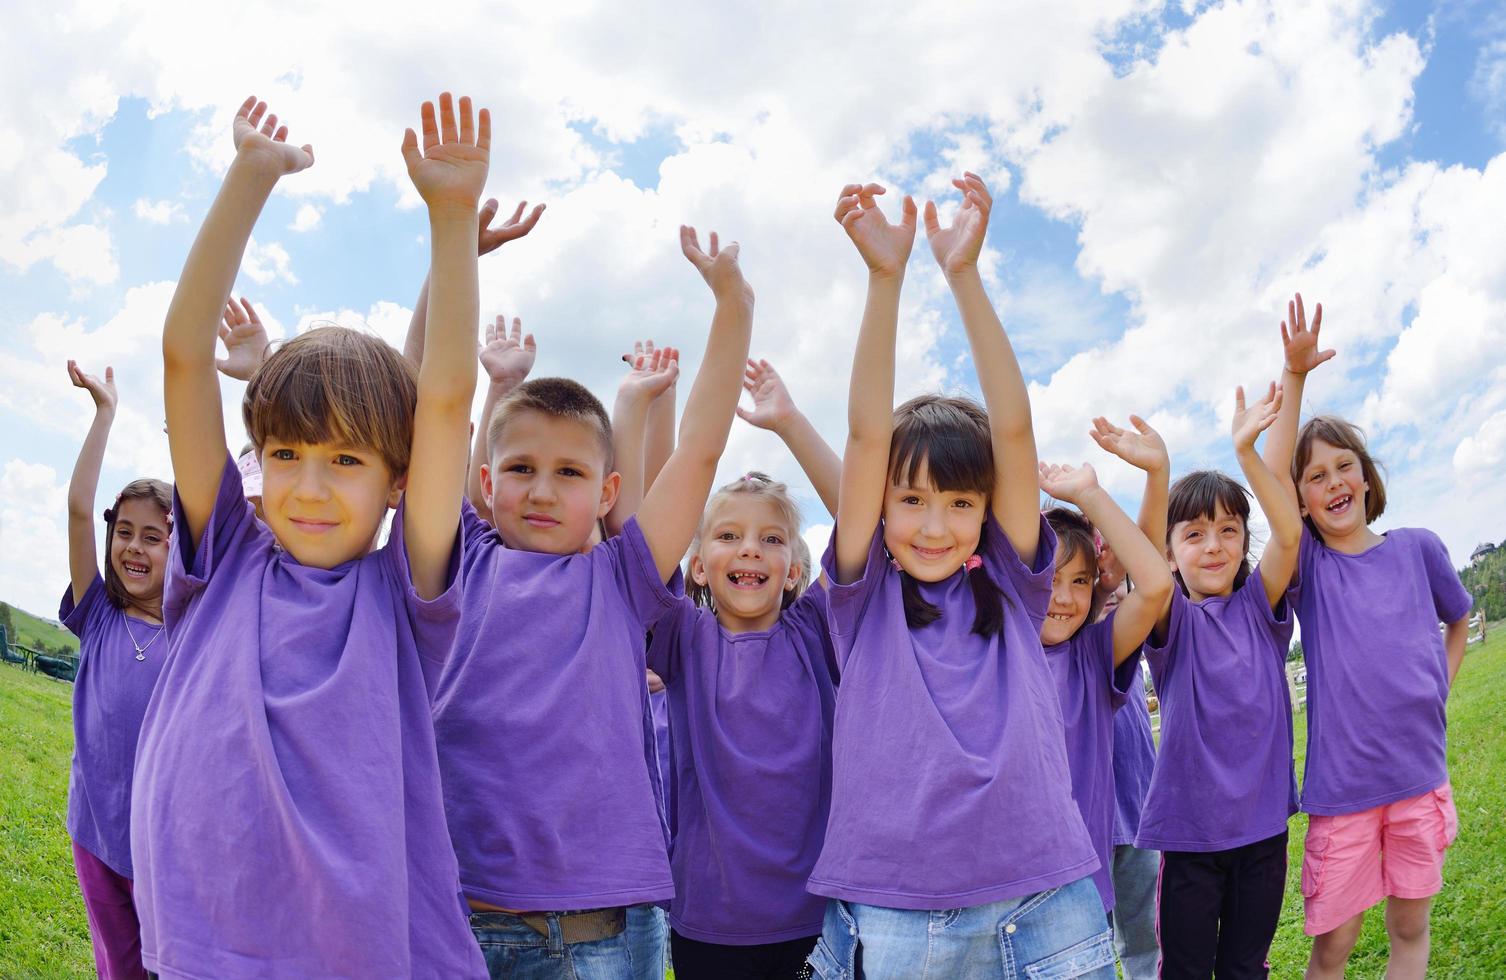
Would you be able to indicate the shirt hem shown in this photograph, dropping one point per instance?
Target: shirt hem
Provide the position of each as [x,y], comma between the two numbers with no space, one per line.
[807,931]
[636,895]
[92,847]
[979,896]
[1359,806]
[1204,847]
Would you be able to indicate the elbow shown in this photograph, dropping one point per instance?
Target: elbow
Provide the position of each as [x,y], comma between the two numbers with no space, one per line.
[1157,587]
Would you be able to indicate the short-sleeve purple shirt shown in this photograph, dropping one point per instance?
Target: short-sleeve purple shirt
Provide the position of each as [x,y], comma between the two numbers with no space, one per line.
[1224,775]
[286,815]
[1134,761]
[541,716]
[110,695]
[752,715]
[1377,670]
[942,735]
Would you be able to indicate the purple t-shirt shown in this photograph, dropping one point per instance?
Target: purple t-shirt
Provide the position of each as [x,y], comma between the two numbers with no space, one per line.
[751,713]
[1134,761]
[1091,690]
[287,818]
[540,717]
[109,699]
[1224,775]
[950,783]
[1377,670]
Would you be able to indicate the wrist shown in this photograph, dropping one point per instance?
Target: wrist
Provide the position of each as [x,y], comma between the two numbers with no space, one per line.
[788,424]
[446,213]
[878,276]
[962,274]
[259,164]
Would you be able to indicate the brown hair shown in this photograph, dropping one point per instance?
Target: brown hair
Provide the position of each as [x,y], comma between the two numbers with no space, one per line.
[1198,495]
[154,491]
[950,436]
[334,384]
[1075,536]
[1340,434]
[763,487]
[558,398]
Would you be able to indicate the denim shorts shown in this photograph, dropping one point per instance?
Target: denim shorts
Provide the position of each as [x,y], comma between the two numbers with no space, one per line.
[1058,933]
[512,949]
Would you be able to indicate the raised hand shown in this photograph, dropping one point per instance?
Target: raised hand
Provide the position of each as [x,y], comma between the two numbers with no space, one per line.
[885,247]
[450,171]
[718,266]
[245,341]
[1068,483]
[651,371]
[1143,448]
[1298,342]
[489,239]
[507,357]
[772,404]
[257,135]
[1250,422]
[103,392]
[958,245]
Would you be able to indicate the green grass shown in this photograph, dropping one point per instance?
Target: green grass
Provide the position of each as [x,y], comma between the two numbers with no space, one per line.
[44,934]
[36,633]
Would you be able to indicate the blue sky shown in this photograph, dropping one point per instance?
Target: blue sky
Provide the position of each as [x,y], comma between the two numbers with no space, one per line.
[1141,248]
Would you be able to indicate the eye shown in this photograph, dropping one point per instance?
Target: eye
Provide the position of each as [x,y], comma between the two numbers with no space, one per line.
[1345,465]
[962,503]
[522,468]
[284,454]
[726,536]
[123,532]
[909,499]
[345,459]
[772,539]
[1194,535]
[570,471]
[1080,580]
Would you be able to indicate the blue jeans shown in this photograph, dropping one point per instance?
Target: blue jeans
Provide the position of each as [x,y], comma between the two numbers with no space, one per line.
[1135,873]
[647,931]
[1058,933]
[513,950]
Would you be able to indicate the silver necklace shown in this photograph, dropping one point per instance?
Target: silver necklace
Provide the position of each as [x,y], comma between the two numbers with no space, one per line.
[140,649]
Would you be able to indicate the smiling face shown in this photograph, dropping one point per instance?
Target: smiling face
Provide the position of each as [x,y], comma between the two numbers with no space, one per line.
[1334,492]
[547,483]
[1071,600]
[746,559]
[324,502]
[138,549]
[932,532]
[1208,552]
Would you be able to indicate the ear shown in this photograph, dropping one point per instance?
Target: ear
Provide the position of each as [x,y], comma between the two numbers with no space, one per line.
[396,493]
[610,487]
[486,484]
[698,571]
[793,578]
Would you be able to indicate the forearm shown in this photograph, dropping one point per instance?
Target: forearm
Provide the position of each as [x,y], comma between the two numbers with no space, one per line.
[818,460]
[1275,498]
[413,343]
[1455,638]
[448,372]
[91,456]
[999,376]
[1141,559]
[870,393]
[629,420]
[1153,506]
[659,439]
[712,402]
[481,453]
[1281,437]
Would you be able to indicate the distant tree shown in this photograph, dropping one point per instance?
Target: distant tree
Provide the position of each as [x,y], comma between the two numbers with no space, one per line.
[1486,581]
[6,621]
[1295,653]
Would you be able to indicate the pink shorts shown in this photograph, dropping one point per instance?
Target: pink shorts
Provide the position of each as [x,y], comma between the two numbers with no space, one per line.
[1353,860]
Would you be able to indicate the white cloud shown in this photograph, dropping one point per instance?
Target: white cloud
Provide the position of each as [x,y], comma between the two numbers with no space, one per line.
[267,263]
[307,218]
[158,212]
[33,528]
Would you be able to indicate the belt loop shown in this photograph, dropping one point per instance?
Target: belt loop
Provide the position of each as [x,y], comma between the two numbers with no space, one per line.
[556,935]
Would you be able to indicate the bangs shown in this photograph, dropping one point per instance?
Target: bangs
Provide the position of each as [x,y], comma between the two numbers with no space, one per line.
[950,438]
[1200,494]
[1340,434]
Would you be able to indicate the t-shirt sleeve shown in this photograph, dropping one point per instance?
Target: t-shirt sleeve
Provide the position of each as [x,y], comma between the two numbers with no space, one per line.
[1100,650]
[1307,553]
[1030,584]
[847,602]
[434,621]
[1277,621]
[810,617]
[76,616]
[231,523]
[671,631]
[1162,657]
[1450,598]
[636,574]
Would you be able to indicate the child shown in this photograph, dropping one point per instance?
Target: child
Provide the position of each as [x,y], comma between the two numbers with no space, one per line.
[747,664]
[1378,678]
[287,816]
[1223,789]
[1095,664]
[946,723]
[540,712]
[118,620]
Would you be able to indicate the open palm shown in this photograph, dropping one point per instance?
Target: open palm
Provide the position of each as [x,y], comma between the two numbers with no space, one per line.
[884,246]
[1142,448]
[256,133]
[772,404]
[958,245]
[450,171]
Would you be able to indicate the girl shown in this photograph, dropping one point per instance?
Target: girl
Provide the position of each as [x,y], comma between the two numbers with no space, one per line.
[1378,678]
[947,721]
[747,664]
[118,620]
[1223,789]
[287,817]
[1095,663]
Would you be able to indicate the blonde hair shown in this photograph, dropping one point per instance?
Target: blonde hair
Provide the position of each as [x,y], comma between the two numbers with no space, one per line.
[760,486]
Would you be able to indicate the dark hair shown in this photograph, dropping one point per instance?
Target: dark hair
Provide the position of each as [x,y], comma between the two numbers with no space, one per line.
[154,491]
[950,437]
[1340,434]
[335,384]
[763,487]
[1074,536]
[1199,495]
[558,398]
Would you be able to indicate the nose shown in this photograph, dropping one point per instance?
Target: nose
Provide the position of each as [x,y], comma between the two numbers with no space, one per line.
[541,490]
[310,483]
[749,547]
[1060,596]
[934,524]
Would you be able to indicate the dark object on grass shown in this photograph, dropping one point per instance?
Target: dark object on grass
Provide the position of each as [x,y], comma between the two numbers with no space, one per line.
[64,669]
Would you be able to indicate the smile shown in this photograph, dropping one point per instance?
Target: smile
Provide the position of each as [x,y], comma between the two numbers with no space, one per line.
[134,570]
[541,521]
[747,580]
[311,526]
[1061,617]
[1340,505]
[931,554]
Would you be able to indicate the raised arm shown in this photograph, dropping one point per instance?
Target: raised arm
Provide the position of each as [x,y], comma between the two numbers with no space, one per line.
[506,357]
[1145,450]
[488,239]
[1279,560]
[83,556]
[956,249]
[651,373]
[672,506]
[449,173]
[774,410]
[885,249]
[1300,355]
[245,339]
[659,438]
[191,389]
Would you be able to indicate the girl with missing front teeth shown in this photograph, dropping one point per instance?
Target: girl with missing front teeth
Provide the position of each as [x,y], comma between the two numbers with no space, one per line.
[747,661]
[1095,663]
[118,620]
[1222,789]
[1378,677]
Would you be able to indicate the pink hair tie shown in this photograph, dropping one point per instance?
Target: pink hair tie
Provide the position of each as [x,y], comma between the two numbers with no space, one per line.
[973,561]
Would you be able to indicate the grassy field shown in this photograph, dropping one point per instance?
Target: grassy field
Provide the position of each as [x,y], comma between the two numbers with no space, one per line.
[43,932]
[36,633]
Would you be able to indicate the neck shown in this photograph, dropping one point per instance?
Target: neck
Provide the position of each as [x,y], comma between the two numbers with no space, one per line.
[1356,542]
[756,624]
[148,609]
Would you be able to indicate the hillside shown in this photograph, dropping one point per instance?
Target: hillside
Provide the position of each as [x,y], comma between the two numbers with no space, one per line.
[35,632]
